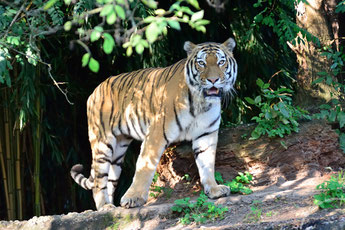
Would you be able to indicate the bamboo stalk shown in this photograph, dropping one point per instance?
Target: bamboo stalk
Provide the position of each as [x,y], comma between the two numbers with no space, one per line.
[37,146]
[18,176]
[17,153]
[9,161]
[4,178]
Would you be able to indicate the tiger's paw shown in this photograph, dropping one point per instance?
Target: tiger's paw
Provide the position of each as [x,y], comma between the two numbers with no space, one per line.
[132,202]
[107,207]
[218,191]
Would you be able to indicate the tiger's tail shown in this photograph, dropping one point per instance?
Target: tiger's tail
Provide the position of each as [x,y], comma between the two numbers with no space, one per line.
[79,178]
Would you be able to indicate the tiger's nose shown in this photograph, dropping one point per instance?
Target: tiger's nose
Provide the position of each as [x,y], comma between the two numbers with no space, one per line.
[213,79]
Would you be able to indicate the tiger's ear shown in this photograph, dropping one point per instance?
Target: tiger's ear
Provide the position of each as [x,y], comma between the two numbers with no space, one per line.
[230,44]
[188,47]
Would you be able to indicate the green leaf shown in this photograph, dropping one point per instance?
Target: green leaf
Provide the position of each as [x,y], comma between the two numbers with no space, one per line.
[108,44]
[111,18]
[174,24]
[257,99]
[341,119]
[49,4]
[283,109]
[319,80]
[152,32]
[194,3]
[107,9]
[120,12]
[201,28]
[67,26]
[249,100]
[255,135]
[342,141]
[259,82]
[139,48]
[265,86]
[85,59]
[94,65]
[150,3]
[129,51]
[197,16]
[96,33]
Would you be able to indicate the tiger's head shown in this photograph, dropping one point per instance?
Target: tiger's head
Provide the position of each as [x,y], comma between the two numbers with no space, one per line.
[211,68]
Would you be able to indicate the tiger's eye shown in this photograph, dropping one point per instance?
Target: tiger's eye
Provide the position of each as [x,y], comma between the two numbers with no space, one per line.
[221,62]
[201,63]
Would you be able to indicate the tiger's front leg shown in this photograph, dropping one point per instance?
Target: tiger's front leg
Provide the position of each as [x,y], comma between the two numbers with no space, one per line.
[151,151]
[204,148]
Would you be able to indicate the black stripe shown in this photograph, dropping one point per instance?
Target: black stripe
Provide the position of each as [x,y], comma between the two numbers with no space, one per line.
[114,80]
[101,113]
[205,134]
[110,147]
[101,175]
[128,130]
[170,75]
[151,95]
[191,82]
[164,134]
[214,122]
[161,76]
[138,81]
[120,129]
[197,151]
[178,64]
[80,179]
[126,78]
[116,161]
[139,123]
[111,113]
[84,184]
[191,105]
[133,125]
[176,118]
[191,75]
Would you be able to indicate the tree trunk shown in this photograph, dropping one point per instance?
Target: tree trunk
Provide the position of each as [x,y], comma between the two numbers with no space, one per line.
[313,18]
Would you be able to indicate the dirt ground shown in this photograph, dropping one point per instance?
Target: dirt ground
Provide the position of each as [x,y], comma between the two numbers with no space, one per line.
[285,179]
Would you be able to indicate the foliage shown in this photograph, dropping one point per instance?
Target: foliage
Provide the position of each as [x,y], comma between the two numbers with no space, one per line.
[277,116]
[133,24]
[156,191]
[199,211]
[334,110]
[255,212]
[282,23]
[332,192]
[237,185]
[340,7]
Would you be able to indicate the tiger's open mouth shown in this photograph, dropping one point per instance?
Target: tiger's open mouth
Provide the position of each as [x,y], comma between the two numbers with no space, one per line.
[213,91]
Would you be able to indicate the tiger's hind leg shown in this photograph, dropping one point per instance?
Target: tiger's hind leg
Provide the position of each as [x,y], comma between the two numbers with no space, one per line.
[116,164]
[102,154]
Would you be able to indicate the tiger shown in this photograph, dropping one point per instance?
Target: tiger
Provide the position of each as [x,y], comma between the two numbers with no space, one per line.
[158,106]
